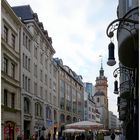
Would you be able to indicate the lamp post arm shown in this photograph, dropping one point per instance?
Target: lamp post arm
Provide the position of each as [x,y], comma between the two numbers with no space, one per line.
[110,33]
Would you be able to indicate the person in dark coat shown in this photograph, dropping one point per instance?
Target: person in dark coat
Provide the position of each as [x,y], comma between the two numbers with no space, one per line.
[112,136]
[49,136]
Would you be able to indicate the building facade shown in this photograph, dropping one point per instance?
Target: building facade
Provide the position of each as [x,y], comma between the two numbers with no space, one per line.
[89,108]
[10,74]
[38,85]
[70,95]
[128,43]
[89,88]
[101,97]
[112,121]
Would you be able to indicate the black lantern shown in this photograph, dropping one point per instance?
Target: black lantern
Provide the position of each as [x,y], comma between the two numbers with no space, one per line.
[116,87]
[111,60]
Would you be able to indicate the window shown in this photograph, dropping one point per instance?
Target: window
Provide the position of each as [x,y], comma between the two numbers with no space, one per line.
[6,65]
[46,64]
[38,109]
[24,39]
[45,79]
[35,51]
[26,61]
[50,83]
[29,83]
[41,75]
[12,70]
[23,82]
[35,70]
[129,4]
[26,42]
[5,33]
[35,88]
[5,97]
[29,45]
[98,99]
[50,68]
[89,109]
[29,64]
[26,83]
[41,57]
[41,92]
[12,100]
[23,59]
[13,40]
[26,106]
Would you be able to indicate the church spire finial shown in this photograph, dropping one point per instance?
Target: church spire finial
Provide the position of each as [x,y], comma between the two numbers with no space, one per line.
[101,70]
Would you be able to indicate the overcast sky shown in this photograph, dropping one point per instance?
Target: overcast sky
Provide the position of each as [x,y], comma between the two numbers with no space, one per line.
[78,31]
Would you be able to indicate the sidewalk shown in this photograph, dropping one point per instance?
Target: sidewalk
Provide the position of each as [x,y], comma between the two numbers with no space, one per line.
[108,137]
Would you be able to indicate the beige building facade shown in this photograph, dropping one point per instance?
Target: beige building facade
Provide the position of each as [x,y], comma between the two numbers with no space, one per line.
[70,95]
[10,74]
[39,95]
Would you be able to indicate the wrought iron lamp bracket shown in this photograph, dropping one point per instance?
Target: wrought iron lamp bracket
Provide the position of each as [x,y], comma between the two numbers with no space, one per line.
[114,25]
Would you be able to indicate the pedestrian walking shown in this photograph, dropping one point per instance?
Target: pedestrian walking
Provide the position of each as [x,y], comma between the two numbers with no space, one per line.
[49,136]
[112,136]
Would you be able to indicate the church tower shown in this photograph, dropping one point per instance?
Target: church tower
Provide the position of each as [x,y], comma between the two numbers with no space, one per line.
[101,96]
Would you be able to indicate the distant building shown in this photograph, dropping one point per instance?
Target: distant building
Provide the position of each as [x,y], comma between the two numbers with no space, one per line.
[89,88]
[89,108]
[112,120]
[101,97]
[70,95]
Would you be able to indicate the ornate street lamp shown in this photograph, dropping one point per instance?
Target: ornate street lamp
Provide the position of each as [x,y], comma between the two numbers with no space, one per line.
[120,23]
[129,79]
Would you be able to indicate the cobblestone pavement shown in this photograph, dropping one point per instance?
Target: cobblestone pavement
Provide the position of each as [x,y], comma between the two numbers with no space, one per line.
[108,137]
